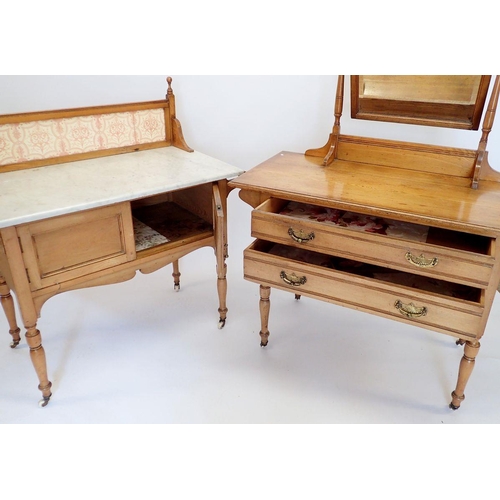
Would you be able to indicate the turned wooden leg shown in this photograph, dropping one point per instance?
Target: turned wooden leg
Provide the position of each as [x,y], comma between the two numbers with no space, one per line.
[264,306]
[37,355]
[221,254]
[28,310]
[222,292]
[466,366]
[176,275]
[8,307]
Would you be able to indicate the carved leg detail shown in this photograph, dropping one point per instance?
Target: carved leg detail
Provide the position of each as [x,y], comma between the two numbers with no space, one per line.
[8,307]
[264,306]
[466,366]
[176,275]
[222,292]
[37,355]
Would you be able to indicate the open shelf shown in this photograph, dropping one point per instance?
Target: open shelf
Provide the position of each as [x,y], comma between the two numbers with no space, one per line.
[167,223]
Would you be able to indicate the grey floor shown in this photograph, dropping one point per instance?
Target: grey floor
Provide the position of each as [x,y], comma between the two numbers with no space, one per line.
[138,352]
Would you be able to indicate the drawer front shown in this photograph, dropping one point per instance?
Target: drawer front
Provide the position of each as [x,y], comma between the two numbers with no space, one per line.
[429,310]
[411,256]
[69,246]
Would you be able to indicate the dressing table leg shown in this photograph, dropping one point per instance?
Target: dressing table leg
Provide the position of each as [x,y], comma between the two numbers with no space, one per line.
[8,307]
[466,365]
[264,306]
[176,275]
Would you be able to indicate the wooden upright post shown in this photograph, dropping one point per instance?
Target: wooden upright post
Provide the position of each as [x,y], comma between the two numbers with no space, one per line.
[175,125]
[339,104]
[329,150]
[487,125]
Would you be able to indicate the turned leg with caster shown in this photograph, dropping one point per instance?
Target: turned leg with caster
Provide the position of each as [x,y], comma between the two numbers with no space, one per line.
[10,313]
[176,275]
[221,252]
[466,365]
[264,306]
[28,310]
[222,291]
[37,354]
[221,255]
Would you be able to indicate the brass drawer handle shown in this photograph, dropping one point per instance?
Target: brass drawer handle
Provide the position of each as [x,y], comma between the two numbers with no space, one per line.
[410,310]
[293,279]
[421,261]
[300,236]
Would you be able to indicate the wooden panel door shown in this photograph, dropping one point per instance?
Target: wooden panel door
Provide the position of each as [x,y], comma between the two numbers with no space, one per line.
[69,246]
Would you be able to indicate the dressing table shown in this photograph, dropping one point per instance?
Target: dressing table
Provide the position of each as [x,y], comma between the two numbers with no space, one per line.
[402,230]
[90,196]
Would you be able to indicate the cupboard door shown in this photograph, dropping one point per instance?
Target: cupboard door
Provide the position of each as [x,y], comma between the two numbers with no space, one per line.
[66,247]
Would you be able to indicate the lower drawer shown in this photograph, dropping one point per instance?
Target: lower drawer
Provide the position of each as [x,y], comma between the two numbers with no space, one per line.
[445,307]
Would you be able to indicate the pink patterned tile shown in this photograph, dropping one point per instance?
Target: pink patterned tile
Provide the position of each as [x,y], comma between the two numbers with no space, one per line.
[44,139]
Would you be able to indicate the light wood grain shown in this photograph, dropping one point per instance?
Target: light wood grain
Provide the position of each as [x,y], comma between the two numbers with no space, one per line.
[393,192]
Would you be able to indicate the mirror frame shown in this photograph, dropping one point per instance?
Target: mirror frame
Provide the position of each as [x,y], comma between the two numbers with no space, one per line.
[436,114]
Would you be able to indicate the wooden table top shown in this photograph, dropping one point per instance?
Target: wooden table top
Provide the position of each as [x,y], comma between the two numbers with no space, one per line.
[433,199]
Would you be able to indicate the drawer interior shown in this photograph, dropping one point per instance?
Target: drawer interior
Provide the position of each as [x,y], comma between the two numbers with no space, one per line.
[423,283]
[407,231]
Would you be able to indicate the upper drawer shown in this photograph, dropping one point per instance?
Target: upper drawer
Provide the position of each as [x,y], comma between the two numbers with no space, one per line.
[429,251]
[66,247]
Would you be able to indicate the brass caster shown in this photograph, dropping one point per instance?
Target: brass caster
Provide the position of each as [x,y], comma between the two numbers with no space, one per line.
[263,345]
[44,401]
[177,288]
[221,324]
[14,344]
[456,398]
[297,296]
[460,342]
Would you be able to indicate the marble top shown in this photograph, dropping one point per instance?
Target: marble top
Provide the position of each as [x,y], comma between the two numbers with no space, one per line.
[39,193]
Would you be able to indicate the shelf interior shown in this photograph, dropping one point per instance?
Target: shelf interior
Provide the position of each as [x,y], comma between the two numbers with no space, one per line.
[167,223]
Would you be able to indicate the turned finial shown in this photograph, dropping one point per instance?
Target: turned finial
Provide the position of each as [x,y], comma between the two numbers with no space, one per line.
[169,81]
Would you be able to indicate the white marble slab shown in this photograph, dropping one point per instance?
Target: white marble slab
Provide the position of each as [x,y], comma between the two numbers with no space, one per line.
[39,193]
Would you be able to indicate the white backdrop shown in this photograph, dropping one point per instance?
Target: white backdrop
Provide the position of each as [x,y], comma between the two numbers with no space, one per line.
[243,120]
